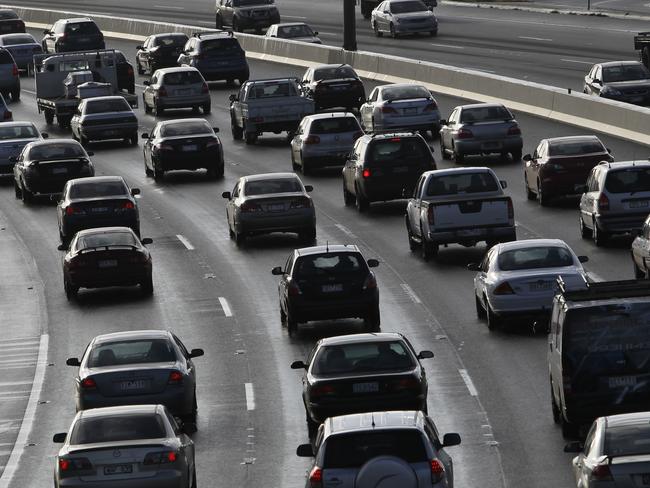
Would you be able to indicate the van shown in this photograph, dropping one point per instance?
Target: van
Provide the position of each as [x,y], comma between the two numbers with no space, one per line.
[599,352]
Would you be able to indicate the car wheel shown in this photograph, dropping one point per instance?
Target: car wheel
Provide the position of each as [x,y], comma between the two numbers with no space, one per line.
[459,158]
[158,173]
[207,108]
[283,317]
[372,321]
[638,273]
[443,150]
[312,428]
[147,171]
[249,137]
[516,155]
[554,408]
[49,116]
[218,22]
[433,33]
[237,132]
[15,94]
[83,140]
[240,238]
[428,249]
[70,290]
[393,34]
[412,244]
[542,198]
[361,202]
[600,237]
[27,196]
[147,108]
[493,320]
[292,326]
[348,198]
[585,232]
[215,173]
[147,286]
[306,167]
[294,165]
[134,139]
[308,236]
[18,192]
[530,195]
[480,311]
[375,27]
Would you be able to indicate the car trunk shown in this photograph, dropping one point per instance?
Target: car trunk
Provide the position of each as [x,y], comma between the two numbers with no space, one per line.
[110,260]
[167,54]
[11,26]
[493,132]
[53,175]
[132,379]
[631,471]
[188,144]
[409,107]
[334,86]
[476,212]
[541,284]
[284,203]
[332,287]
[573,169]
[185,90]
[369,385]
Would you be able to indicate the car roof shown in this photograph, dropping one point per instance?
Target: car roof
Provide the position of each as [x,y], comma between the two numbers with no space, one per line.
[598,302]
[132,335]
[104,230]
[402,419]
[619,63]
[95,179]
[269,176]
[15,34]
[563,139]
[329,115]
[119,410]
[467,169]
[336,65]
[306,251]
[272,80]
[526,243]
[76,20]
[176,69]
[182,121]
[22,123]
[625,419]
[627,164]
[480,105]
[360,338]
[105,97]
[215,35]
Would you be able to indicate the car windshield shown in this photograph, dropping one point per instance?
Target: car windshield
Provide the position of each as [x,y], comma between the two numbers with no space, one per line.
[534,258]
[335,125]
[333,73]
[110,105]
[300,30]
[131,352]
[485,114]
[82,28]
[629,180]
[628,439]
[407,7]
[272,89]
[185,129]
[58,150]
[98,189]
[22,39]
[353,450]
[106,239]
[313,265]
[453,184]
[8,15]
[363,357]
[266,187]
[222,46]
[189,77]
[625,72]
[575,148]
[18,132]
[250,3]
[170,41]
[119,428]
[405,92]
[399,150]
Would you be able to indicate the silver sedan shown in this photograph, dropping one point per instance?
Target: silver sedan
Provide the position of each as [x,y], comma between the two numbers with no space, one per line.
[138,446]
[403,106]
[615,453]
[403,17]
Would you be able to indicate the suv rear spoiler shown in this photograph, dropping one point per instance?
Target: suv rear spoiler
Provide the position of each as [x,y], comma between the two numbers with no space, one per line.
[605,290]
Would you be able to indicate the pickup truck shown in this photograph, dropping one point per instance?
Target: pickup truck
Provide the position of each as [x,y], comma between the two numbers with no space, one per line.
[56,99]
[642,44]
[272,105]
[459,205]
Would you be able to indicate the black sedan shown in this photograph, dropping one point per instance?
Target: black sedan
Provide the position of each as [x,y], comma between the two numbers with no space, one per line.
[188,144]
[43,167]
[137,367]
[328,282]
[334,85]
[159,51]
[100,201]
[10,22]
[125,74]
[106,256]
[359,373]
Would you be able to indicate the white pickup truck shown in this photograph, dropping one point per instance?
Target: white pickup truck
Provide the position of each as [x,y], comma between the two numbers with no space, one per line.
[274,105]
[459,205]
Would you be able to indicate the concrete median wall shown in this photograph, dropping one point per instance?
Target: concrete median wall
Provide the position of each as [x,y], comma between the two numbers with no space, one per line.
[593,114]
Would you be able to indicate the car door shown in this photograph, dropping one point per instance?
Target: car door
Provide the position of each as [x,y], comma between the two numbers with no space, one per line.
[237,105]
[75,121]
[296,141]
[50,39]
[596,80]
[144,55]
[148,92]
[231,204]
[583,463]
[367,109]
[480,280]
[589,199]
[447,129]
[386,17]
[413,208]
[349,168]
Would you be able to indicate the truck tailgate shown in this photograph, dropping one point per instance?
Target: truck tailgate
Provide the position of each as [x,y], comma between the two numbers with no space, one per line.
[457,214]
[283,109]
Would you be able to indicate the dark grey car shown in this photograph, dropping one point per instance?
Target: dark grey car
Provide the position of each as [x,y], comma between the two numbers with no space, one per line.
[246,14]
[137,367]
[625,81]
[9,76]
[22,47]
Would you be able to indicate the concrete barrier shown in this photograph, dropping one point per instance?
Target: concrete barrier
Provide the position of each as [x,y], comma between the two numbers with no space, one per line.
[593,114]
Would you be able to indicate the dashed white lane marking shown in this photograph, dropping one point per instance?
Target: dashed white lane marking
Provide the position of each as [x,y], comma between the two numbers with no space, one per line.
[535,38]
[250,396]
[468,382]
[171,7]
[29,91]
[447,45]
[293,17]
[226,308]
[29,416]
[185,242]
[346,231]
[575,61]
[411,294]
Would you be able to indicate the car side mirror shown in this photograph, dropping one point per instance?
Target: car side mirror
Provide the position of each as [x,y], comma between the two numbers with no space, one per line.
[62,247]
[215,129]
[316,33]
[298,365]
[596,81]
[90,153]
[305,450]
[373,263]
[575,446]
[135,191]
[527,157]
[45,135]
[146,240]
[581,188]
[59,438]
[232,98]
[145,135]
[474,267]
[425,354]
[146,83]
[443,122]
[73,362]
[226,194]
[504,183]
[277,271]
[583,259]
[451,439]
[309,188]
[195,353]
[13,159]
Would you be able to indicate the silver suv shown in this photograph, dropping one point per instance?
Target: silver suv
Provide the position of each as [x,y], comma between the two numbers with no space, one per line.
[615,200]
[360,449]
[182,87]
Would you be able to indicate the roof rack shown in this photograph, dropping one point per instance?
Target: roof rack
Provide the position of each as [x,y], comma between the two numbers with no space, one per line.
[603,290]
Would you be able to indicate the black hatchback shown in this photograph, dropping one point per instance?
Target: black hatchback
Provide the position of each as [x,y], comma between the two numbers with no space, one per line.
[78,34]
[328,282]
[334,85]
[159,51]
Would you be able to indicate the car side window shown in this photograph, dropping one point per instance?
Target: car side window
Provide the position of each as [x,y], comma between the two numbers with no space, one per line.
[235,191]
[592,182]
[418,189]
[454,116]
[374,95]
[172,422]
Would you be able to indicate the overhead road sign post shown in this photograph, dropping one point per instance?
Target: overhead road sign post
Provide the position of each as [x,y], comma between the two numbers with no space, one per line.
[349,26]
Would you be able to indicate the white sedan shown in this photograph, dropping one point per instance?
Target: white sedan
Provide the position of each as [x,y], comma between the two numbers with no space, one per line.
[519,278]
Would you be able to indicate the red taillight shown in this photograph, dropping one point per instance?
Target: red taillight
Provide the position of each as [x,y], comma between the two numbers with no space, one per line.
[88,383]
[250,207]
[321,390]
[430,215]
[71,210]
[601,472]
[139,258]
[603,202]
[437,471]
[172,456]
[8,115]
[211,143]
[464,134]
[163,147]
[504,289]
[128,205]
[395,139]
[312,140]
[294,290]
[175,378]
[162,91]
[205,88]
[370,283]
[160,458]
[129,71]
[388,110]
[366,173]
[316,477]
[511,209]
[74,464]
[514,131]
[405,384]
[431,107]
[64,464]
[14,70]
[301,203]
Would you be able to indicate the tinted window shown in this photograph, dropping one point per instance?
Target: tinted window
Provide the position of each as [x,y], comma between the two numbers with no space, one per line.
[485,114]
[58,150]
[334,73]
[248,3]
[182,78]
[263,187]
[628,440]
[612,74]
[18,132]
[289,31]
[363,357]
[628,180]
[131,352]
[335,125]
[106,239]
[327,264]
[452,184]
[118,428]
[354,450]
[176,41]
[8,14]
[220,46]
[405,92]
[24,39]
[270,90]
[5,57]
[185,129]
[98,189]
[406,7]
[534,258]
[575,148]
[111,105]
[398,150]
[81,29]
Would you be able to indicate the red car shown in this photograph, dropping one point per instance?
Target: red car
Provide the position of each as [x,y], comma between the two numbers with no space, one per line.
[560,164]
[107,256]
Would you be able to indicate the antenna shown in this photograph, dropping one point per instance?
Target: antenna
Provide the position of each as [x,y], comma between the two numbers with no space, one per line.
[327,246]
[373,419]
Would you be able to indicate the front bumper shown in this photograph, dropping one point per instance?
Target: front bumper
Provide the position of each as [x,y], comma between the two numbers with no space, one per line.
[473,235]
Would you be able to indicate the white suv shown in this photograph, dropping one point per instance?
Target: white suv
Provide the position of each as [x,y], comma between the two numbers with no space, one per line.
[615,200]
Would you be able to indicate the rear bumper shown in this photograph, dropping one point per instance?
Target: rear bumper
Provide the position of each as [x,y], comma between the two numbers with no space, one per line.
[584,409]
[281,223]
[279,126]
[319,412]
[489,146]
[102,278]
[386,190]
[622,223]
[189,161]
[101,132]
[227,71]
[321,159]
[302,310]
[430,121]
[163,479]
[339,99]
[183,102]
[473,235]
[179,402]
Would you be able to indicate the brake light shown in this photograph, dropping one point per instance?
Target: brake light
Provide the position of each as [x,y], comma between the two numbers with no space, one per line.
[163,147]
[250,207]
[14,70]
[430,216]
[77,263]
[405,384]
[388,110]
[395,139]
[514,131]
[72,210]
[301,203]
[74,464]
[511,209]
[312,140]
[164,457]
[129,71]
[205,88]
[8,115]
[322,390]
[128,205]
[464,134]
[175,378]
[366,173]
[211,143]
[294,290]
[504,289]
[603,202]
[370,283]
[601,472]
[162,91]
[64,464]
[88,384]
[437,471]
[316,477]
[431,107]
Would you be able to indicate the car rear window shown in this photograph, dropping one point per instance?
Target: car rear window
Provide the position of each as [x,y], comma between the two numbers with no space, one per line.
[98,189]
[106,239]
[185,129]
[189,77]
[131,352]
[227,45]
[266,187]
[18,132]
[334,125]
[103,106]
[271,90]
[289,31]
[405,92]
[8,15]
[628,440]
[248,3]
[170,41]
[399,150]
[575,148]
[22,39]
[5,57]
[55,151]
[452,184]
[535,258]
[630,180]
[82,29]
[407,7]
[333,73]
[118,428]
[355,449]
[363,357]
[485,114]
[625,72]
[313,265]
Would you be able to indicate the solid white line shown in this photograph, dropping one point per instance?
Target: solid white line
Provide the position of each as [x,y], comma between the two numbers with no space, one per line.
[535,38]
[169,7]
[409,291]
[346,231]
[576,61]
[29,416]
[468,382]
[185,242]
[250,396]
[447,45]
[293,17]
[226,308]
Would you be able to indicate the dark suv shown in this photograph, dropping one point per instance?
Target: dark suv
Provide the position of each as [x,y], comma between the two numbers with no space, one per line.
[217,56]
[159,51]
[78,34]
[385,167]
[246,14]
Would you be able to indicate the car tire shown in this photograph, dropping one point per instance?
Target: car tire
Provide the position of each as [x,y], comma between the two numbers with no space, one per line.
[375,28]
[443,150]
[459,158]
[17,191]
[215,173]
[585,232]
[306,167]
[555,411]
[372,321]
[433,33]
[207,108]
[530,195]
[15,94]
[237,132]
[83,140]
[639,274]
[194,485]
[428,249]
[541,197]
[239,238]
[516,155]
[348,198]
[147,108]
[393,34]
[158,110]
[599,236]
[480,310]
[249,137]
[235,25]
[360,201]
[292,326]
[49,116]
[70,290]
[147,286]
[26,195]
[147,171]
[412,244]
[158,173]
[308,236]
[312,428]
[133,140]
[493,320]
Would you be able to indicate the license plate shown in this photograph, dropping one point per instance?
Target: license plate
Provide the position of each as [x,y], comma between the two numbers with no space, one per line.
[275,207]
[118,469]
[189,147]
[622,381]
[639,204]
[372,387]
[130,385]
[332,288]
[547,285]
[107,263]
[184,92]
[410,111]
[59,171]
[491,145]
[400,169]
[99,209]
